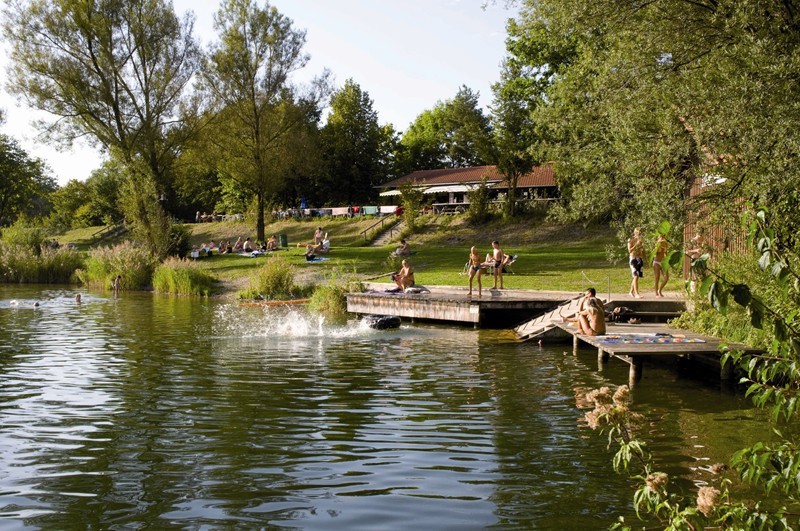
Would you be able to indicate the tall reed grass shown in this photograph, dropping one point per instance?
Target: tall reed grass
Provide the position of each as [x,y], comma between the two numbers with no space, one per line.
[133,263]
[183,277]
[38,264]
[330,299]
[275,280]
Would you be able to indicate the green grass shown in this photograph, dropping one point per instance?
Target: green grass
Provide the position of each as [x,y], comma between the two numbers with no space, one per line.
[559,258]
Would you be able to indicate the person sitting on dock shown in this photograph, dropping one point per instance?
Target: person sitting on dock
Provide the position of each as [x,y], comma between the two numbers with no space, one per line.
[591,317]
[405,278]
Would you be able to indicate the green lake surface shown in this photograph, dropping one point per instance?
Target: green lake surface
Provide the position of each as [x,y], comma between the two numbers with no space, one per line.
[158,412]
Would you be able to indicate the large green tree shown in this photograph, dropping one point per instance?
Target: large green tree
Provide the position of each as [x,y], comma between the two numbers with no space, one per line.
[454,134]
[354,147]
[24,183]
[247,74]
[111,72]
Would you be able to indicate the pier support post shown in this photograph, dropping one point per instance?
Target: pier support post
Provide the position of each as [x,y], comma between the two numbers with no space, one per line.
[726,371]
[575,344]
[602,358]
[635,372]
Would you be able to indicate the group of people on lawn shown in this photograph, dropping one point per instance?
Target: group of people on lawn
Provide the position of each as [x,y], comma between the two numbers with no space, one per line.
[239,246]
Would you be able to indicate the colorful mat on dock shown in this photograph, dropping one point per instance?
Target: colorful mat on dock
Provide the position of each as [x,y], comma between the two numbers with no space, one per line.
[648,338]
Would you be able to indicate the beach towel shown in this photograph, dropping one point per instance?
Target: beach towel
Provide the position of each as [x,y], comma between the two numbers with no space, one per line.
[317,259]
[647,338]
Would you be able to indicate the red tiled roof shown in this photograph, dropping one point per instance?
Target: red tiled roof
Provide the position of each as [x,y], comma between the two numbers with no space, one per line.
[540,176]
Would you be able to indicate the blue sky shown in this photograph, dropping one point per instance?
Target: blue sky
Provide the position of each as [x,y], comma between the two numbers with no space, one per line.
[406,54]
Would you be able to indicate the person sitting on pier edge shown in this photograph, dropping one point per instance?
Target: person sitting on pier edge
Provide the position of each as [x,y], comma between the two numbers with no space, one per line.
[591,317]
[405,278]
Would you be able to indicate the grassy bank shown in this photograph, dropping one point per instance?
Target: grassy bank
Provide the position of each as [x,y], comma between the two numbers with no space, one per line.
[550,257]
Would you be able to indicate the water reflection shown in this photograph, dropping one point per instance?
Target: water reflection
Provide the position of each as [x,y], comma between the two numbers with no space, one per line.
[170,412]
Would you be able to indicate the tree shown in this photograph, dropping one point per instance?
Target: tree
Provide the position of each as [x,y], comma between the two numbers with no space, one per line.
[93,202]
[514,127]
[352,144]
[454,134]
[24,183]
[112,72]
[247,76]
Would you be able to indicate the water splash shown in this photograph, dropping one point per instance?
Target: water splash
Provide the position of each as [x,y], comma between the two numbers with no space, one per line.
[284,322]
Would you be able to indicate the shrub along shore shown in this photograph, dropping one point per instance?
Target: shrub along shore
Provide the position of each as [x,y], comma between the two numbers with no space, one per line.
[549,257]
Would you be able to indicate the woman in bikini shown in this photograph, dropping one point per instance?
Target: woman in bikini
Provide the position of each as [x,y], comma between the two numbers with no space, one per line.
[474,266]
[658,267]
[636,257]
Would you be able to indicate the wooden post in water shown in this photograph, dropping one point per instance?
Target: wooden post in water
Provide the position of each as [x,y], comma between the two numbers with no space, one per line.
[726,371]
[635,372]
[602,358]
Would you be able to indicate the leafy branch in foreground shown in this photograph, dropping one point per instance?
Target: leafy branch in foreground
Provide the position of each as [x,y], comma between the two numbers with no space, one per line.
[773,382]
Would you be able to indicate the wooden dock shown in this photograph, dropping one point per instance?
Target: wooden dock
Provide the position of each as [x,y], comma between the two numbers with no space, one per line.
[496,308]
[635,343]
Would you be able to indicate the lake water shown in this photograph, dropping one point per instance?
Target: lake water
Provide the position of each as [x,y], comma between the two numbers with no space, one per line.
[156,412]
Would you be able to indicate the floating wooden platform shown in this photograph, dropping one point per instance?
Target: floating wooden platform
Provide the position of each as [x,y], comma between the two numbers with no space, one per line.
[633,346]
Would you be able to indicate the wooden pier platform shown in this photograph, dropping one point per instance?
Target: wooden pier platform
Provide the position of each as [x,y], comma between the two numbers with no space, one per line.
[635,343]
[506,308]
[496,308]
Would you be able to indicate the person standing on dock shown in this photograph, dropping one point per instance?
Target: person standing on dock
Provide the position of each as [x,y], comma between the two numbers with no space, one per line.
[499,257]
[658,267]
[474,269]
[636,257]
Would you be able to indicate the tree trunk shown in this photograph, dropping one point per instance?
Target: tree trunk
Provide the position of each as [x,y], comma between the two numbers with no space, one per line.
[260,218]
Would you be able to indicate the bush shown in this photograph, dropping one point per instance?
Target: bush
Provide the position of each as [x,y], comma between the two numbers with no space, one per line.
[179,240]
[135,264]
[478,211]
[274,280]
[183,277]
[37,264]
[330,299]
[22,235]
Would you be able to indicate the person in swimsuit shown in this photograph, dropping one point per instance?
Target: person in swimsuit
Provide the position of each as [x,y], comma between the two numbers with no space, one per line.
[636,257]
[498,257]
[474,264]
[405,278]
[591,316]
[658,268]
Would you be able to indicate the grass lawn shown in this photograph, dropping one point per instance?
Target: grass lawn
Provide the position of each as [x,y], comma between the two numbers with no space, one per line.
[564,258]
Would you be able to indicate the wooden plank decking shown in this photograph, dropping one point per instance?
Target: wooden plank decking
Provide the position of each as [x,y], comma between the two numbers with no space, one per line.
[634,353]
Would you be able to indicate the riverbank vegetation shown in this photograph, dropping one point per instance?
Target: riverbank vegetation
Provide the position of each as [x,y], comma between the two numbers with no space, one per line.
[648,112]
[183,277]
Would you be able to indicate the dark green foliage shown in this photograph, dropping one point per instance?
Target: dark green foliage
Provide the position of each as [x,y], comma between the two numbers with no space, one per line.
[24,184]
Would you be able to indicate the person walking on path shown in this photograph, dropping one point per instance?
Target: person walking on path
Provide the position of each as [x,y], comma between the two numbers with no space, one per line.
[659,271]
[499,258]
[636,257]
[474,269]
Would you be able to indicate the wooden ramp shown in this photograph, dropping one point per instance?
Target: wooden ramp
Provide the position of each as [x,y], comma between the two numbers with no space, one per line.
[546,322]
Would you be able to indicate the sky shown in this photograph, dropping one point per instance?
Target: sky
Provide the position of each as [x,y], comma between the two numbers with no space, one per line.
[406,54]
